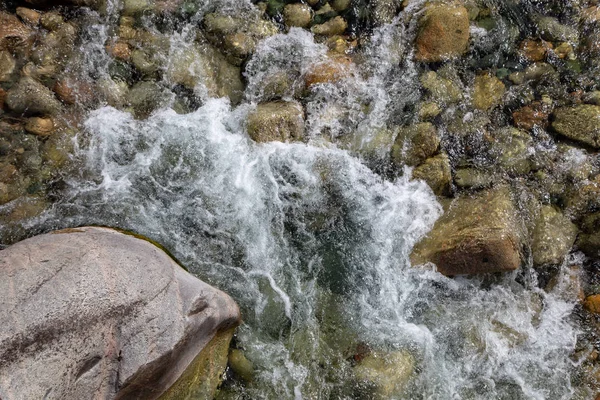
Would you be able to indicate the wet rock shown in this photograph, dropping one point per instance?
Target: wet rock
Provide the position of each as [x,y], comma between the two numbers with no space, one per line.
[51,20]
[14,36]
[435,171]
[335,26]
[7,66]
[442,90]
[331,70]
[29,16]
[473,178]
[22,208]
[592,303]
[298,14]
[29,96]
[592,98]
[583,197]
[114,92]
[203,64]
[340,5]
[276,121]
[429,110]
[511,149]
[580,123]
[443,32]
[87,339]
[534,50]
[144,63]
[55,48]
[552,238]
[532,115]
[384,374]
[40,126]
[488,92]
[119,50]
[144,97]
[414,144]
[71,90]
[384,11]
[551,29]
[477,234]
[134,7]
[240,365]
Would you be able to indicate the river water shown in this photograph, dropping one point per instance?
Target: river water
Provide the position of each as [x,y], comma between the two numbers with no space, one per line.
[312,244]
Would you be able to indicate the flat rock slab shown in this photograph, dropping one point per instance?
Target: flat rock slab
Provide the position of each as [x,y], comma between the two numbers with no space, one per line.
[477,234]
[94,313]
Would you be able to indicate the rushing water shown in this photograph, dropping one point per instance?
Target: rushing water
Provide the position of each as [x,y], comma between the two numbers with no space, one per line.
[311,243]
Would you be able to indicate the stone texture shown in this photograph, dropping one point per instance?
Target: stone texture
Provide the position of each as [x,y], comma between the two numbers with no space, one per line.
[29,96]
[443,32]
[488,92]
[298,14]
[580,123]
[276,121]
[414,144]
[478,234]
[93,313]
[335,26]
[553,237]
[14,35]
[435,171]
[332,70]
[384,375]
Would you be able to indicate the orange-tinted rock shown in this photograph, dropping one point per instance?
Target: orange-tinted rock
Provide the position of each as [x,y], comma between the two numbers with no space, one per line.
[443,32]
[2,97]
[330,71]
[28,15]
[534,50]
[71,91]
[532,115]
[119,50]
[592,303]
[40,126]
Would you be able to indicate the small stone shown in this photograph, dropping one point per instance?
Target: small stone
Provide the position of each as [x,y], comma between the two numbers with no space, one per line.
[473,178]
[534,50]
[8,173]
[511,149]
[29,96]
[133,7]
[442,90]
[385,374]
[40,126]
[297,14]
[553,236]
[436,173]
[554,31]
[565,51]
[240,44]
[51,20]
[143,62]
[276,121]
[333,70]
[429,110]
[580,123]
[29,16]
[443,32]
[535,114]
[415,144]
[119,50]
[488,92]
[335,26]
[477,234]
[592,303]
[14,36]
[7,66]
[340,5]
[72,91]
[144,97]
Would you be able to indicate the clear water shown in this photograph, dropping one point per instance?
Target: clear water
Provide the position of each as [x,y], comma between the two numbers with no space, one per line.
[312,244]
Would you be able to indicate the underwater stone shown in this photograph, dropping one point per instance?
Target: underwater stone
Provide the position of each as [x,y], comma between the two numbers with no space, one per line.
[414,144]
[478,234]
[299,15]
[14,35]
[442,90]
[7,66]
[29,96]
[104,313]
[435,171]
[580,123]
[488,92]
[553,237]
[443,32]
[277,121]
[335,26]
[386,374]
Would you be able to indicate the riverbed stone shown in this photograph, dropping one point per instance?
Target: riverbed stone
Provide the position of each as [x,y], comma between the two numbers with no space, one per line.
[384,374]
[276,121]
[414,144]
[479,233]
[29,96]
[14,35]
[436,172]
[94,311]
[40,126]
[144,97]
[335,26]
[441,90]
[443,32]
[331,70]
[552,238]
[297,14]
[488,92]
[580,123]
[7,66]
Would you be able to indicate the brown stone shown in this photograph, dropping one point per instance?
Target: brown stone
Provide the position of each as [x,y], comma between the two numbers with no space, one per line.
[335,26]
[14,35]
[94,313]
[276,121]
[534,50]
[592,303]
[333,70]
[477,234]
[488,92]
[28,15]
[119,50]
[40,126]
[436,172]
[443,32]
[2,97]
[535,114]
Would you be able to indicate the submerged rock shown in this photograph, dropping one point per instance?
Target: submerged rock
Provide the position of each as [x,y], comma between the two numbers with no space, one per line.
[385,375]
[29,96]
[298,14]
[277,121]
[435,171]
[488,92]
[335,26]
[478,234]
[95,311]
[443,32]
[414,144]
[580,123]
[553,237]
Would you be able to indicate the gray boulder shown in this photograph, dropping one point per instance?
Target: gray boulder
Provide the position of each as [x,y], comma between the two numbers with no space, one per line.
[29,96]
[94,313]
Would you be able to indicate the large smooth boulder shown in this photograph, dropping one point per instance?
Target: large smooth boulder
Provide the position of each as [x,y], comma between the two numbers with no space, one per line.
[477,234]
[94,313]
